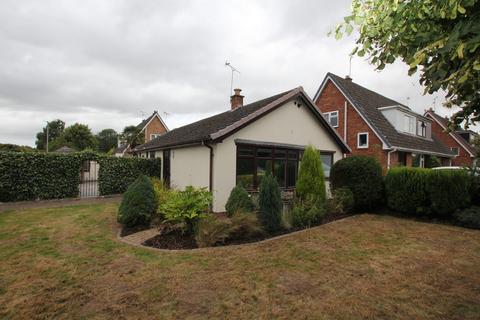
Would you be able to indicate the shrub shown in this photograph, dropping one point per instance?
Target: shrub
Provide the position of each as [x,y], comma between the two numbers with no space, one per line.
[186,207]
[342,201]
[138,203]
[239,199]
[212,230]
[270,202]
[363,176]
[406,189]
[475,190]
[116,174]
[309,202]
[448,190]
[469,217]
[162,191]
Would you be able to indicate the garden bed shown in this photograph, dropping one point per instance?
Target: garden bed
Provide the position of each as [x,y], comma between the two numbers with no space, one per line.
[176,240]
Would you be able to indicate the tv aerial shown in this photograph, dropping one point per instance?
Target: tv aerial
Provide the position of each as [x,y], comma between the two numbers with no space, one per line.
[233,69]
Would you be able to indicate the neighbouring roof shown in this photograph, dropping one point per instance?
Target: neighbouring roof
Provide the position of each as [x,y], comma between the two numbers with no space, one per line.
[65,149]
[122,148]
[443,122]
[144,122]
[219,126]
[368,102]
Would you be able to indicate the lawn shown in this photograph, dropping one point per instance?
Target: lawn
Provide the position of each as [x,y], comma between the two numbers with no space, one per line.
[67,263]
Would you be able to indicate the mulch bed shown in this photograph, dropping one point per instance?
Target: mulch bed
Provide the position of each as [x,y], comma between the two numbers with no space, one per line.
[126,231]
[175,240]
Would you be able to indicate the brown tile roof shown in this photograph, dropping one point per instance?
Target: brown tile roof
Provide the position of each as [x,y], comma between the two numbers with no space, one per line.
[368,103]
[443,122]
[221,125]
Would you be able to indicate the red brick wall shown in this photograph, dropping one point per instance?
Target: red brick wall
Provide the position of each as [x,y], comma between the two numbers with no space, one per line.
[154,127]
[463,158]
[331,99]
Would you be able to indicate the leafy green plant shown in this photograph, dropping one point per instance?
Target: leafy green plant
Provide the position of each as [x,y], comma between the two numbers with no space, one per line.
[363,176]
[138,204]
[469,217]
[186,207]
[406,189]
[162,192]
[341,202]
[309,202]
[213,230]
[271,204]
[239,199]
[448,190]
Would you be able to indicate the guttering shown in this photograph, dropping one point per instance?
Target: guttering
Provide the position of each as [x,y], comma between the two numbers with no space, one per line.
[210,173]
[388,157]
[425,152]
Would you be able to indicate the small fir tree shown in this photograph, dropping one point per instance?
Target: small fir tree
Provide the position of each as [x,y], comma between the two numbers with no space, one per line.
[270,203]
[239,199]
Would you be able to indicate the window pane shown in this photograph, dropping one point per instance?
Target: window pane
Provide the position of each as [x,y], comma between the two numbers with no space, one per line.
[279,169]
[362,140]
[245,151]
[245,170]
[292,155]
[263,166]
[264,152]
[291,173]
[327,162]
[334,119]
[280,153]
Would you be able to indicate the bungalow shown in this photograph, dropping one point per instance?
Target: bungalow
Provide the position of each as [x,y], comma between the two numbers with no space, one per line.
[242,144]
[459,141]
[374,125]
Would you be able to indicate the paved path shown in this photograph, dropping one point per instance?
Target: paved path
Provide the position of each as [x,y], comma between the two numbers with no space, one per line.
[4,206]
[138,238]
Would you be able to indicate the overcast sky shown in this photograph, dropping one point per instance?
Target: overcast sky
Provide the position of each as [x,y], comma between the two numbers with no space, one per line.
[107,64]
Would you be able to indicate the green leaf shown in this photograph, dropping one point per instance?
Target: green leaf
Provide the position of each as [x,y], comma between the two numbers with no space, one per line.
[348,29]
[338,35]
[461,9]
[460,50]
[476,66]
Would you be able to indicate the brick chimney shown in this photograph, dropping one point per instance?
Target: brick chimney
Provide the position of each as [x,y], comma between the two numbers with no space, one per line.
[348,78]
[236,101]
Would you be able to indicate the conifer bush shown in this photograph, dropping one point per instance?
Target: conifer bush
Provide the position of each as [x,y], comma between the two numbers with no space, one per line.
[239,199]
[363,176]
[406,189]
[138,204]
[310,195]
[270,202]
[448,190]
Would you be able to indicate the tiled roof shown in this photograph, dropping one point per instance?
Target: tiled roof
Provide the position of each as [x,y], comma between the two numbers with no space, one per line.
[368,103]
[220,125]
[444,123]
[65,149]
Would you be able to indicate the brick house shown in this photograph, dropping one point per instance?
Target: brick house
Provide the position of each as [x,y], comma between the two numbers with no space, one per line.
[374,125]
[151,128]
[459,141]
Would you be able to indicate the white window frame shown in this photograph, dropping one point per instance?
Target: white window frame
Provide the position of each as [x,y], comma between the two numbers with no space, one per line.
[458,150]
[409,126]
[328,116]
[358,140]
[154,135]
[421,130]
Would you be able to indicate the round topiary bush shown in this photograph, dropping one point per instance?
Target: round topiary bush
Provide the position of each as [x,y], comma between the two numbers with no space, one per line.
[239,199]
[138,203]
[363,176]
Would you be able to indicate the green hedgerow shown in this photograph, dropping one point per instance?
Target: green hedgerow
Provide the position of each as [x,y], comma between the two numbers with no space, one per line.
[138,203]
[271,204]
[310,195]
[448,190]
[406,189]
[239,199]
[363,176]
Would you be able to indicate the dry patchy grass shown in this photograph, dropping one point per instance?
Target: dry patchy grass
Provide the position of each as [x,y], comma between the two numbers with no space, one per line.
[67,263]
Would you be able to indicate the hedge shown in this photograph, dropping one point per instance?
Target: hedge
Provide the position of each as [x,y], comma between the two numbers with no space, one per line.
[363,176]
[32,176]
[416,190]
[116,174]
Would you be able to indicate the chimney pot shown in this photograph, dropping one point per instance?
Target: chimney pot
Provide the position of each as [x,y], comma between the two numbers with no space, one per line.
[348,78]
[236,101]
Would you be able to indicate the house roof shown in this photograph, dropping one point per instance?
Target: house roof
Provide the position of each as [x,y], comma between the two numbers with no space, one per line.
[443,122]
[217,127]
[368,102]
[121,149]
[65,149]
[144,122]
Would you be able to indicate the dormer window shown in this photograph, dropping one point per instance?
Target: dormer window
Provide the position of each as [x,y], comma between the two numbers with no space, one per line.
[421,129]
[332,118]
[409,124]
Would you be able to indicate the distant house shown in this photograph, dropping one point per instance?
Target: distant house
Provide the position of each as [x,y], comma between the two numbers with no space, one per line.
[459,141]
[242,144]
[374,125]
[151,128]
